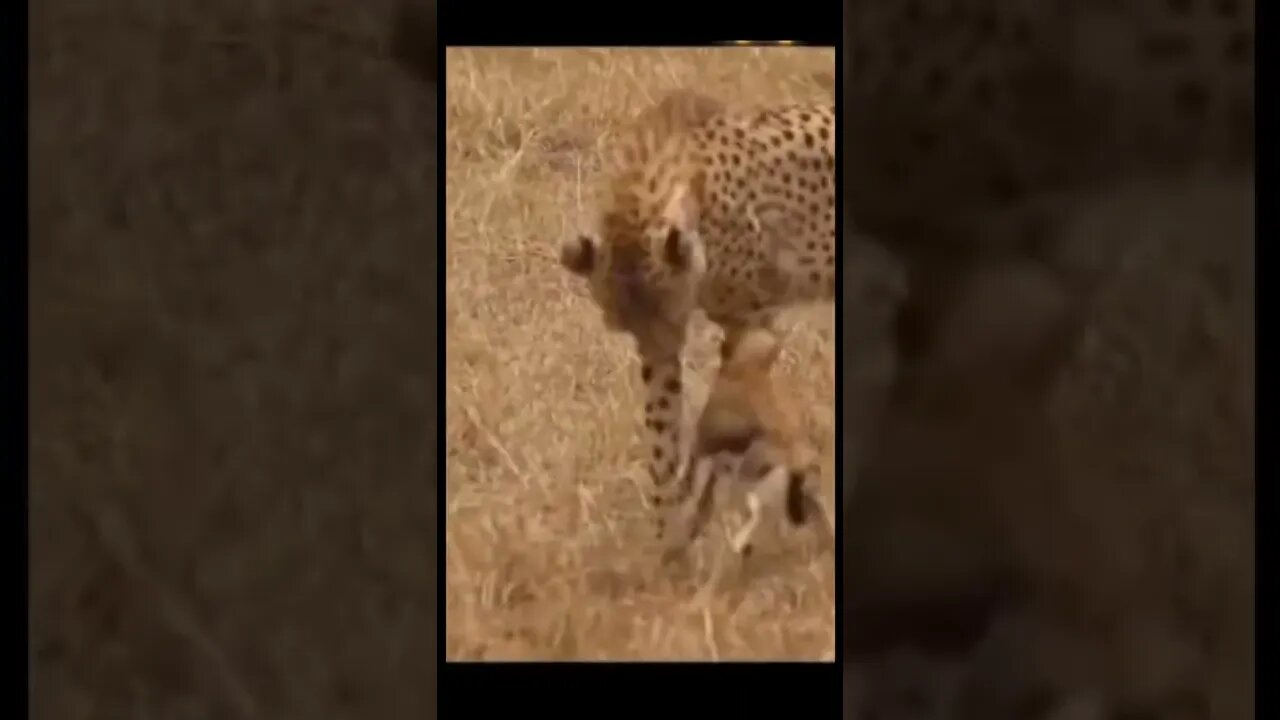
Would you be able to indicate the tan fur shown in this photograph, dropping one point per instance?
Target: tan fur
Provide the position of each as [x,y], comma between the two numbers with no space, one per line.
[751,436]
[729,212]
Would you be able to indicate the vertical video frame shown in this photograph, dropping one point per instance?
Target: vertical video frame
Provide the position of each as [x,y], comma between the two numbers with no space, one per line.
[641,353]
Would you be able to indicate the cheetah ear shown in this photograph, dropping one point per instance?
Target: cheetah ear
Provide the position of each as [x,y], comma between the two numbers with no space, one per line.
[681,247]
[578,255]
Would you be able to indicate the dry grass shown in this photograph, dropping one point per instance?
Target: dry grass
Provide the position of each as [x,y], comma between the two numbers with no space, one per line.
[232,364]
[549,531]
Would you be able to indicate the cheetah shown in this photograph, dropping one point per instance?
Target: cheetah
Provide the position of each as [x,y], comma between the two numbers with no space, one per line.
[750,436]
[970,127]
[732,213]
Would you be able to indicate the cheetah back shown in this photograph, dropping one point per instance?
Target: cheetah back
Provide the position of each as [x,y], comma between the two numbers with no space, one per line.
[768,212]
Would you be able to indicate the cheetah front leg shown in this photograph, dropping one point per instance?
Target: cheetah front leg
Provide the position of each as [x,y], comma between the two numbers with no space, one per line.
[664,421]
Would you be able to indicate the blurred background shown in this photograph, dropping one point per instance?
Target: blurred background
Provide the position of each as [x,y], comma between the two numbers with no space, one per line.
[233,363]
[1054,509]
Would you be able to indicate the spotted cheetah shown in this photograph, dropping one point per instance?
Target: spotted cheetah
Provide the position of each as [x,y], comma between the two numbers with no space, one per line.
[970,126]
[729,212]
[750,437]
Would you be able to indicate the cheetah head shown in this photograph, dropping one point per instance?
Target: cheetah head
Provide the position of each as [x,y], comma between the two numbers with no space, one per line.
[644,268]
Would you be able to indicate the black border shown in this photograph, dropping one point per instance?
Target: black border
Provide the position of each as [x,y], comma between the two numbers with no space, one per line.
[647,689]
[812,688]
[21,319]
[1263,223]
[649,24]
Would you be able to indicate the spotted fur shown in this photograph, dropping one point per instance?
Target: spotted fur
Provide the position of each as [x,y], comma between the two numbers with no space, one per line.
[732,213]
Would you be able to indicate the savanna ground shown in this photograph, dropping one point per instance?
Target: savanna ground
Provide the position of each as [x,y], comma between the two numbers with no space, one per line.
[549,532]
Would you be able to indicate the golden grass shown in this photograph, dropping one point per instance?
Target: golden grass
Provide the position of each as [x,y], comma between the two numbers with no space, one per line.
[549,533]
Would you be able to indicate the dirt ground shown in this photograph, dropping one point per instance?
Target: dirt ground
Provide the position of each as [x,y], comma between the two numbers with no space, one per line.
[548,537]
[233,357]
